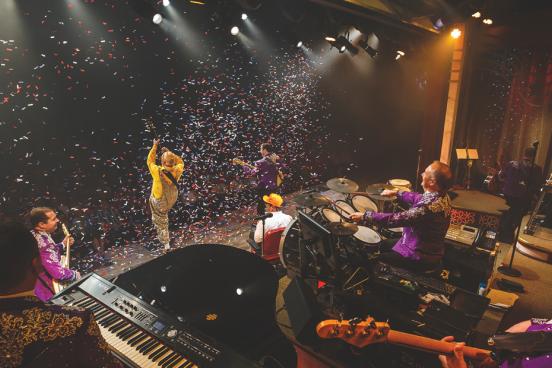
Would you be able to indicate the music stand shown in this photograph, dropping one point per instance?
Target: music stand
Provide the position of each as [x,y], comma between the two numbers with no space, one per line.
[468,154]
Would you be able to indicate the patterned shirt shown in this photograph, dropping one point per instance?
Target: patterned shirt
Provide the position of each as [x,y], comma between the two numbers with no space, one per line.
[35,334]
[51,262]
[425,225]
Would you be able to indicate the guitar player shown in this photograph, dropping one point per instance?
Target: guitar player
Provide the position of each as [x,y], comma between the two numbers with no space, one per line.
[266,170]
[44,222]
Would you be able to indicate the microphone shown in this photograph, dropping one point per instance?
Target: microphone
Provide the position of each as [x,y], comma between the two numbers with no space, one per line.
[265,216]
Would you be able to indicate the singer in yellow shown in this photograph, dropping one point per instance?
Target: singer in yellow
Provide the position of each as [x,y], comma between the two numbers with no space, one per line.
[164,190]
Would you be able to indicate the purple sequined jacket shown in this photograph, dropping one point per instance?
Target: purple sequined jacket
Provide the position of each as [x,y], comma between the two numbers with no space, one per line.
[50,256]
[266,171]
[425,225]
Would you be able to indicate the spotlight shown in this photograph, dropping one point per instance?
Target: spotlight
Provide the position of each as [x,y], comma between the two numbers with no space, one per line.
[437,23]
[329,38]
[398,56]
[400,52]
[488,21]
[234,31]
[300,43]
[476,15]
[239,291]
[244,16]
[166,2]
[163,289]
[455,33]
[342,44]
[157,18]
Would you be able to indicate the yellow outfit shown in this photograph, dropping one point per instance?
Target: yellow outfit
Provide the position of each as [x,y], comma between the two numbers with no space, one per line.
[163,194]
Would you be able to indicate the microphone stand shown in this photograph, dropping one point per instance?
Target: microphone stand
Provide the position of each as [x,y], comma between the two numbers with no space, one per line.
[509,270]
[262,240]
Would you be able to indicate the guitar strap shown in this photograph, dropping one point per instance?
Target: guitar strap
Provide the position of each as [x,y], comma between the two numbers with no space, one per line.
[171,177]
[46,284]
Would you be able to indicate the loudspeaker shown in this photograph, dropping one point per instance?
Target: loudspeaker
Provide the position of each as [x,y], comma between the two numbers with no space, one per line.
[302,308]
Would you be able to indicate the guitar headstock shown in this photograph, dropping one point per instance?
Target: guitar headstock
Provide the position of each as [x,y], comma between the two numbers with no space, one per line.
[237,161]
[65,231]
[357,332]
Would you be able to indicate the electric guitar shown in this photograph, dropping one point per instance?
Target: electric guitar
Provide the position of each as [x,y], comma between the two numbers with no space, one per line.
[361,333]
[57,285]
[279,174]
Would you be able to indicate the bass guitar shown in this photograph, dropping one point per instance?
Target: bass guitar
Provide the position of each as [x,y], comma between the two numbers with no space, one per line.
[361,333]
[279,174]
[57,285]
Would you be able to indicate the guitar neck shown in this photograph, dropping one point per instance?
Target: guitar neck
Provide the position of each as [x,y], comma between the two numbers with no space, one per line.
[434,346]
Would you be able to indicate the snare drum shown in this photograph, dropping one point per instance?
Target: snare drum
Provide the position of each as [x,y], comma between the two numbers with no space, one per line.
[392,233]
[344,209]
[362,203]
[366,241]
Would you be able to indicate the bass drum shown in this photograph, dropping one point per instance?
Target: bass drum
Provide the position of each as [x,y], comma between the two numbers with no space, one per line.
[362,203]
[290,252]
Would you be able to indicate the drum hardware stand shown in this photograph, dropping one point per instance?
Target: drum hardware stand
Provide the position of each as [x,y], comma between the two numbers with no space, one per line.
[346,288]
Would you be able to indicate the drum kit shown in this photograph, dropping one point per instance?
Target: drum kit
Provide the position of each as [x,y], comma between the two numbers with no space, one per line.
[353,243]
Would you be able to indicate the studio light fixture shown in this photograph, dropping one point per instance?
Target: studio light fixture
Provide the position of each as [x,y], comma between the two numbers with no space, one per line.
[400,54]
[330,38]
[300,43]
[244,16]
[488,21]
[342,44]
[166,2]
[455,33]
[234,31]
[157,18]
[476,15]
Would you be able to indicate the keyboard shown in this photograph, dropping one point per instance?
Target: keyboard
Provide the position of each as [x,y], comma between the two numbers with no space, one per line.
[140,335]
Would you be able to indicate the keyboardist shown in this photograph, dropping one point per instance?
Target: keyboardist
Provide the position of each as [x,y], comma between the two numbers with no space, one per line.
[35,334]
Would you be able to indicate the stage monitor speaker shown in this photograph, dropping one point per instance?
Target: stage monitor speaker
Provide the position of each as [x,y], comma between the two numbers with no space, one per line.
[302,308]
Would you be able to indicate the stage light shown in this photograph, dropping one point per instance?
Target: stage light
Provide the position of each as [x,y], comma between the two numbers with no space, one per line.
[244,16]
[163,288]
[402,53]
[300,43]
[234,31]
[239,291]
[455,33]
[166,2]
[437,23]
[329,38]
[157,18]
[398,57]
[342,44]
[488,21]
[342,49]
[476,15]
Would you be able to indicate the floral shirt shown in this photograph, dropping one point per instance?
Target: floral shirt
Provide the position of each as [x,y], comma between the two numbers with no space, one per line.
[35,334]
[50,253]
[425,224]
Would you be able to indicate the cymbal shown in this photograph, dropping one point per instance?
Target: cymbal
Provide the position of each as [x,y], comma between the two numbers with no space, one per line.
[342,228]
[378,188]
[312,200]
[342,185]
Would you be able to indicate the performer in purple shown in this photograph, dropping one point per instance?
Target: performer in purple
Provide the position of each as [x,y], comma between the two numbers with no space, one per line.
[44,222]
[35,334]
[266,170]
[533,361]
[424,225]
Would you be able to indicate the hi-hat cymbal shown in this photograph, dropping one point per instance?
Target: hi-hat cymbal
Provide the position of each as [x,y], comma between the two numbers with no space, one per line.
[312,200]
[342,228]
[342,185]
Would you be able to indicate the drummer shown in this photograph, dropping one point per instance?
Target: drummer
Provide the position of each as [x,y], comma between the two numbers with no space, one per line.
[424,225]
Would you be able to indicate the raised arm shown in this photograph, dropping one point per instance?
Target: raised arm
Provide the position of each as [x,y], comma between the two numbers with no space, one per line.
[399,219]
[151,157]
